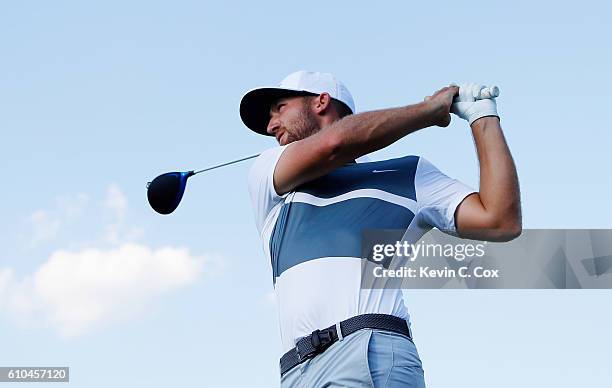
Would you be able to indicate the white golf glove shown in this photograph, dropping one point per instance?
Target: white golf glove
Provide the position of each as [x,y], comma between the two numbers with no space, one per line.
[470,109]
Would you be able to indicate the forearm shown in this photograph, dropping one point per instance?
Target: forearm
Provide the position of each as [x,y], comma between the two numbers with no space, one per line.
[499,187]
[362,133]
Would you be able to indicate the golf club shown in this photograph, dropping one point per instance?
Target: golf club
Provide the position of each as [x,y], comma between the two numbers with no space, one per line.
[166,191]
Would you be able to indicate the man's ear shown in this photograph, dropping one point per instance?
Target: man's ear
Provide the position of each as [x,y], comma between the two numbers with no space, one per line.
[322,103]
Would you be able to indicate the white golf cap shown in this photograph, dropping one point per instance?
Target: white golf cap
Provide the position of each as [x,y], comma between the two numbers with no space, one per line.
[255,104]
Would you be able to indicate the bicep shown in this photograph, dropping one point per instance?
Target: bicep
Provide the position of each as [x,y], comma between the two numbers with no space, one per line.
[470,216]
[305,160]
[474,222]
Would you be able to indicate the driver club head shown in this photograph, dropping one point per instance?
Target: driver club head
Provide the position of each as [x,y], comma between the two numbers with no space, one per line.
[166,191]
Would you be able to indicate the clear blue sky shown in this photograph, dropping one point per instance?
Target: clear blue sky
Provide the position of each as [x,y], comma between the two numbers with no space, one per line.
[96,99]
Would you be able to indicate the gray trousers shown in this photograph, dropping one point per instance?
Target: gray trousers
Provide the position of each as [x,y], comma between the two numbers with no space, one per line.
[367,358]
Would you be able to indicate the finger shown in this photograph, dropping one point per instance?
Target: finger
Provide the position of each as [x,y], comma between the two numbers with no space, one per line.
[465,92]
[488,92]
[455,108]
[458,97]
[476,90]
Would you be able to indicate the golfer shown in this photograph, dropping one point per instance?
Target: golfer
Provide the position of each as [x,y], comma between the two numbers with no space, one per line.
[311,202]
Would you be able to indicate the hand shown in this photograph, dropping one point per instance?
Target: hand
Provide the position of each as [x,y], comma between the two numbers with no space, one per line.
[440,103]
[466,107]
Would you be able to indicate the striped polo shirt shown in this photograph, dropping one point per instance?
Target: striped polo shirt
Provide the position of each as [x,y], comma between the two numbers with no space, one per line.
[312,235]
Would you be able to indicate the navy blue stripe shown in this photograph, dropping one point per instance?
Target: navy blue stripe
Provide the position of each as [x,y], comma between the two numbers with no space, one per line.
[312,232]
[276,237]
[363,176]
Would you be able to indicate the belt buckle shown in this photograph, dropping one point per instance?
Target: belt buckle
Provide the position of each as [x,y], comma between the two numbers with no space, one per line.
[319,341]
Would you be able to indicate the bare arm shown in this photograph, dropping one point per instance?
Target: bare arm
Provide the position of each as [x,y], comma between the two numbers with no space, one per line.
[494,213]
[357,135]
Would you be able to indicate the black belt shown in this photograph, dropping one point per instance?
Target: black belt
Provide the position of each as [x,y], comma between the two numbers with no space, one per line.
[319,340]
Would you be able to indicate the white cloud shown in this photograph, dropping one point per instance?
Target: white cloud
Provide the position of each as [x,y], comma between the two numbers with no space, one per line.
[46,225]
[113,278]
[116,231]
[78,291]
[69,213]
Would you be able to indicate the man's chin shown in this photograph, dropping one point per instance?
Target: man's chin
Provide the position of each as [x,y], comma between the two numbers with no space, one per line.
[284,140]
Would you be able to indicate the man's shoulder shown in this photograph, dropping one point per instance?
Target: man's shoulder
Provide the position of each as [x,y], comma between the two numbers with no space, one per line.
[270,153]
[266,160]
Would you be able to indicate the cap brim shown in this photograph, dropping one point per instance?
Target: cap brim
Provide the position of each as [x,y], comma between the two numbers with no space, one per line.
[255,106]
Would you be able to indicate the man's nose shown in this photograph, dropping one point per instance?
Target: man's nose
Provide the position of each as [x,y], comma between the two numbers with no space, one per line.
[273,125]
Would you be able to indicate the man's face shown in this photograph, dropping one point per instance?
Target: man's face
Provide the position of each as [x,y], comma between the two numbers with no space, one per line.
[292,119]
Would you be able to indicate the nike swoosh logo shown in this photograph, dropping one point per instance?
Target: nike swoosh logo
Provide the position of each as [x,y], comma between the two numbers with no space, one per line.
[375,171]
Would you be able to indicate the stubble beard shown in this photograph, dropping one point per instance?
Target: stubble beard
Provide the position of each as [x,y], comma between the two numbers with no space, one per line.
[305,124]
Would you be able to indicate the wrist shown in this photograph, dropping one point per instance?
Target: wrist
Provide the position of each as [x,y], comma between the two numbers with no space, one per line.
[434,113]
[484,122]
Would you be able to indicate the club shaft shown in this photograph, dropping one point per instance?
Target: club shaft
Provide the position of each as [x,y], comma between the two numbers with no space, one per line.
[226,164]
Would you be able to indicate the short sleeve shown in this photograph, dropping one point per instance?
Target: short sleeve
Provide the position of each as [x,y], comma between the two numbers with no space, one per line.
[438,196]
[261,184]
